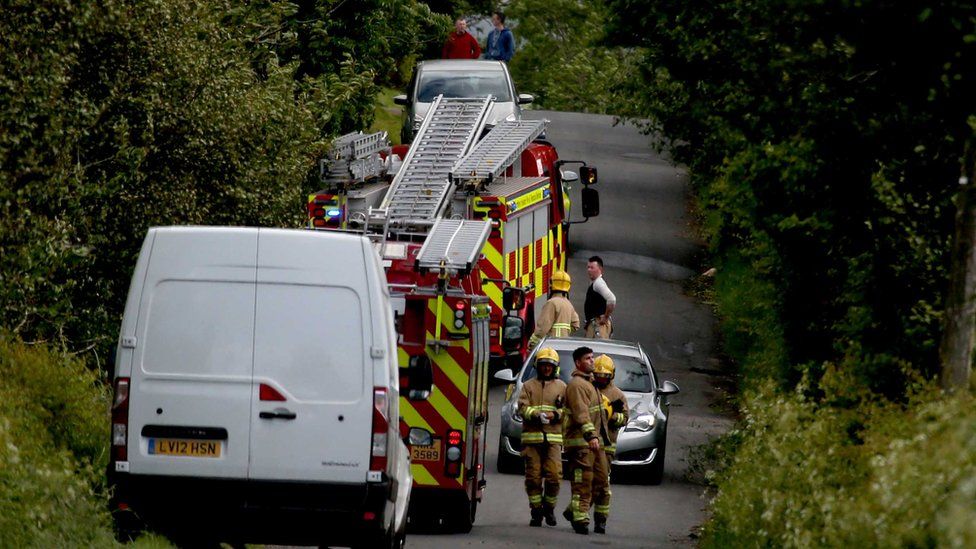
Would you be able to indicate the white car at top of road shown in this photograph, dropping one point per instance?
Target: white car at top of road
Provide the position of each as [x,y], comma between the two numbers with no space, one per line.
[459,78]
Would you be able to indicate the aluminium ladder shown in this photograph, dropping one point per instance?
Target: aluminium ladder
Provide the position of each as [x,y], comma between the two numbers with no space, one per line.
[453,244]
[498,150]
[417,194]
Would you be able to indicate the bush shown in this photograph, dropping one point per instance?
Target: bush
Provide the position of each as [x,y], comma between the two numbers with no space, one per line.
[855,472]
[53,444]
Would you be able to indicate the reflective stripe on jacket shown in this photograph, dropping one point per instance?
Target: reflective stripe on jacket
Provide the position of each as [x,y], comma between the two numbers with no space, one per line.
[585,419]
[557,319]
[541,396]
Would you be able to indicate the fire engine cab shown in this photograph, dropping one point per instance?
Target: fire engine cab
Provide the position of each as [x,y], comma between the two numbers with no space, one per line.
[469,229]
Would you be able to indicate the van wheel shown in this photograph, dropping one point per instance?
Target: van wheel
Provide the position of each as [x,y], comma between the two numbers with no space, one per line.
[463,519]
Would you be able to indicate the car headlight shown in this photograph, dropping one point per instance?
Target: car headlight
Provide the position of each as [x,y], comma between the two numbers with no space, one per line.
[642,423]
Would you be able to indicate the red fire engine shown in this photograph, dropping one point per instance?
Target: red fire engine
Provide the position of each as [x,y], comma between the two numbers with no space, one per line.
[469,231]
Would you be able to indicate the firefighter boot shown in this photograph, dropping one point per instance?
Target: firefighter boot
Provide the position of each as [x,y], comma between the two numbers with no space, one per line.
[536,517]
[581,528]
[599,524]
[548,514]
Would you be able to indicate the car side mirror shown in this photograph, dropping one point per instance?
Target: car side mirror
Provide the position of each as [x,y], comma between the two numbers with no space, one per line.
[512,333]
[668,388]
[417,379]
[525,98]
[513,298]
[400,100]
[568,176]
[591,202]
[505,375]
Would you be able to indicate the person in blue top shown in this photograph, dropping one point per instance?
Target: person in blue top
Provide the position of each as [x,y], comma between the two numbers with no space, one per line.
[501,42]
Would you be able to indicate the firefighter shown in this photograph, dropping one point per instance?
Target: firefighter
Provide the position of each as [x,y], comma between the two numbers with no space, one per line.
[616,413]
[558,317]
[584,427]
[540,405]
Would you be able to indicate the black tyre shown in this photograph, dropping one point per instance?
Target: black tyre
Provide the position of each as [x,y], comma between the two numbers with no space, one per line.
[507,463]
[461,520]
[655,471]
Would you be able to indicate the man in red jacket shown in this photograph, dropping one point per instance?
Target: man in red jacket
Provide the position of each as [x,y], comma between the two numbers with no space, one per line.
[460,44]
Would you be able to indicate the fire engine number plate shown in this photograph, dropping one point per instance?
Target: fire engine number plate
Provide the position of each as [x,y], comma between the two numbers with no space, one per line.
[178,447]
[426,453]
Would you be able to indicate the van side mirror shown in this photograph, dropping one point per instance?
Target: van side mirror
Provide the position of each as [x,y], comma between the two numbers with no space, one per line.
[513,298]
[400,100]
[417,379]
[588,175]
[512,333]
[591,201]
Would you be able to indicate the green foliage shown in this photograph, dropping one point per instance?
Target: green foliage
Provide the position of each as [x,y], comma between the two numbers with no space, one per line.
[388,115]
[53,443]
[561,58]
[824,138]
[122,115]
[870,475]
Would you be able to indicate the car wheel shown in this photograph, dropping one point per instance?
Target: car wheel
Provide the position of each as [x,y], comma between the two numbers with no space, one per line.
[507,463]
[655,471]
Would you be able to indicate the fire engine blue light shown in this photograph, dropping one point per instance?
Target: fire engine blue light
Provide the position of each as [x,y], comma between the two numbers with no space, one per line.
[545,193]
[332,213]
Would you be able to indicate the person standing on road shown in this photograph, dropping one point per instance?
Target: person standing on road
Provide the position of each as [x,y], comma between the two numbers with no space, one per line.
[460,44]
[540,405]
[617,415]
[584,423]
[558,317]
[600,302]
[501,42]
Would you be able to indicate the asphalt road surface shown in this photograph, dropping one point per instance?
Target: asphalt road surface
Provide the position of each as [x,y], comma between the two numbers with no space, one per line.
[643,235]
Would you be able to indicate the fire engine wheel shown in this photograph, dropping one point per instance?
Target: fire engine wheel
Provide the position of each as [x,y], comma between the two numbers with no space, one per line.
[462,519]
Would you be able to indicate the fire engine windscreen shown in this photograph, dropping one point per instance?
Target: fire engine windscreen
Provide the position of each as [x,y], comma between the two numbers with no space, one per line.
[463,84]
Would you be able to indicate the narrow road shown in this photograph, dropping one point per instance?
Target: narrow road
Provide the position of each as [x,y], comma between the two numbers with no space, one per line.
[644,238]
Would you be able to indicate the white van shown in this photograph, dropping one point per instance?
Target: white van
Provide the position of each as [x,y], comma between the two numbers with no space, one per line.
[257,391]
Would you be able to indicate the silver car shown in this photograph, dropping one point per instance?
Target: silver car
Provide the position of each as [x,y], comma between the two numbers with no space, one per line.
[459,78]
[640,445]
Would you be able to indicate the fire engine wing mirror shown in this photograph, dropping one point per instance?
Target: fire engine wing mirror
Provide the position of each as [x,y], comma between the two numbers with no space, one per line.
[568,176]
[417,379]
[588,175]
[512,333]
[513,299]
[400,100]
[525,98]
[591,202]
[505,375]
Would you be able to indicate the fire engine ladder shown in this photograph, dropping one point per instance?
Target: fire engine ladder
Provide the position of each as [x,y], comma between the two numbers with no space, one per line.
[417,195]
[453,244]
[498,150]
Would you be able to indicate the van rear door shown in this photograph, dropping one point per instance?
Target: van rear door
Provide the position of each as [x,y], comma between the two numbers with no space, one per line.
[189,406]
[312,334]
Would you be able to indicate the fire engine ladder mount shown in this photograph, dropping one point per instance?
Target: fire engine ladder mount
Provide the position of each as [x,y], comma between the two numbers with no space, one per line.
[417,195]
[501,148]
[453,245]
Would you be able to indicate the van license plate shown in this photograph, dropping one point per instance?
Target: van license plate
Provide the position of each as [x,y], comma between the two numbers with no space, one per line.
[426,453]
[178,447]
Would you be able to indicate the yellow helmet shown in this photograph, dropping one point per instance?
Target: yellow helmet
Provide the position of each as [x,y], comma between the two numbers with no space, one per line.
[603,365]
[560,281]
[547,354]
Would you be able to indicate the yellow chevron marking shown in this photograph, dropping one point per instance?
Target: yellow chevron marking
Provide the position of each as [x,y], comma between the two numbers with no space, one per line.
[451,368]
[411,416]
[421,475]
[446,409]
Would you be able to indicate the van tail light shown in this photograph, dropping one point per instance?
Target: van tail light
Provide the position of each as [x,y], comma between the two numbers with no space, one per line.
[455,449]
[120,420]
[381,427]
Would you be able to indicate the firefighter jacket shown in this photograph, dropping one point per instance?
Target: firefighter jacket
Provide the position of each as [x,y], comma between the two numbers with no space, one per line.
[542,396]
[585,418]
[557,319]
[618,416]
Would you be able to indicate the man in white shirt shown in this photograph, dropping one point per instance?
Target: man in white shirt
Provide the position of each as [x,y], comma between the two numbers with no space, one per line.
[600,302]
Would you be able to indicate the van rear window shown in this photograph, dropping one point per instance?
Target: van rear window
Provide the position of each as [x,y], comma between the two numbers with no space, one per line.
[310,341]
[200,327]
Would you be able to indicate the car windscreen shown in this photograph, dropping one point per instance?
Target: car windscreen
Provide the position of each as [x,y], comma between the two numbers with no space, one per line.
[463,84]
[629,373]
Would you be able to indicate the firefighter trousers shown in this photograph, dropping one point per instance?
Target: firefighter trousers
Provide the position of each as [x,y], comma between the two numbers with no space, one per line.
[580,482]
[599,330]
[543,473]
[601,485]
